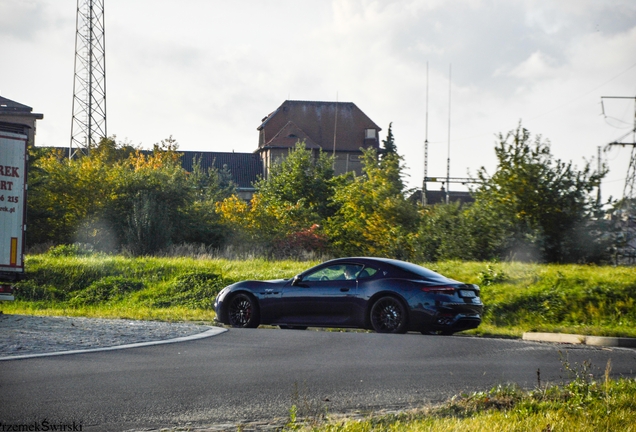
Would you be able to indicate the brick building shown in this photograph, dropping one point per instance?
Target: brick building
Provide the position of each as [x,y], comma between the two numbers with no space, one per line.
[337,128]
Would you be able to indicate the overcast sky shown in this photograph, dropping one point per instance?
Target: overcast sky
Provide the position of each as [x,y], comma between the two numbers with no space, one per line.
[207,71]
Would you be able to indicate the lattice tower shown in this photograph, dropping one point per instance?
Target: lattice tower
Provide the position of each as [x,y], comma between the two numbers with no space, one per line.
[626,246]
[89,83]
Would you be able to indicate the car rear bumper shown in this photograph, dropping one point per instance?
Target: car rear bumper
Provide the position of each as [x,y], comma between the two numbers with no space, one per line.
[456,323]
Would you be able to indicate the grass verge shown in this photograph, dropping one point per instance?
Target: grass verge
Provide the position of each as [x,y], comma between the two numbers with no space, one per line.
[582,404]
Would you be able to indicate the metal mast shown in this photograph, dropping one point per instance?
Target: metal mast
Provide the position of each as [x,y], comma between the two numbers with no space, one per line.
[449,131]
[425,144]
[630,181]
[627,249]
[88,124]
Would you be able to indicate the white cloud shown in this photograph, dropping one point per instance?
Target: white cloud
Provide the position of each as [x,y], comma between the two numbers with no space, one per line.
[537,66]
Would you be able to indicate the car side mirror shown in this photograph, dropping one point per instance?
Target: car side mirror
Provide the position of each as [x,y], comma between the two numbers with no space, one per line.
[296,280]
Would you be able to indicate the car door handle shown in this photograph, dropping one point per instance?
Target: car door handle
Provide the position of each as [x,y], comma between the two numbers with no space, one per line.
[344,289]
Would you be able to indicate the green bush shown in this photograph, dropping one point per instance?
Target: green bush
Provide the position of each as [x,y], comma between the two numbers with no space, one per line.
[196,289]
[69,274]
[106,289]
[31,290]
[70,250]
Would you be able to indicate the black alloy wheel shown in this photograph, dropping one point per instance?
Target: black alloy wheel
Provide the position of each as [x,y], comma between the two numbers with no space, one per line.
[243,311]
[388,315]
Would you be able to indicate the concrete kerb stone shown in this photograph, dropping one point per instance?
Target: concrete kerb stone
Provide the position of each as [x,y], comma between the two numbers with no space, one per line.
[605,341]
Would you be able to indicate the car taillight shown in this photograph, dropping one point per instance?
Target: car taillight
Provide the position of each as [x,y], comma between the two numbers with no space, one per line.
[439,289]
[6,289]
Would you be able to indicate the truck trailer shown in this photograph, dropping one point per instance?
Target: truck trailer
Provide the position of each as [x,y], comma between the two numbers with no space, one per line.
[13,193]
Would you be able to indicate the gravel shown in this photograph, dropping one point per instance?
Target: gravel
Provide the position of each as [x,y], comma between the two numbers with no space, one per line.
[28,334]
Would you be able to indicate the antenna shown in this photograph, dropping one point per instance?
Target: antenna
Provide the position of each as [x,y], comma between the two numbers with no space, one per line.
[449,130]
[88,123]
[425,144]
[598,167]
[448,179]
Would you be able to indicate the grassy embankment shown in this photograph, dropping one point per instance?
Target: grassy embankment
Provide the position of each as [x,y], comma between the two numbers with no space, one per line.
[594,300]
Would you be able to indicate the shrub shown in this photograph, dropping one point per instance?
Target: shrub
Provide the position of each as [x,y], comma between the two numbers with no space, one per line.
[70,250]
[106,289]
[196,289]
[31,290]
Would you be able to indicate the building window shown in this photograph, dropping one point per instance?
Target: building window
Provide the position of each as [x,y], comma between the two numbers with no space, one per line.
[369,134]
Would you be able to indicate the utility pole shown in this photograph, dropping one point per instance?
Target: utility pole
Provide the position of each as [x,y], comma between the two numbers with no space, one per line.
[627,249]
[88,124]
[630,180]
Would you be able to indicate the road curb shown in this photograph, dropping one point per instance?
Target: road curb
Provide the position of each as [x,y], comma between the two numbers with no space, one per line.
[211,332]
[605,341]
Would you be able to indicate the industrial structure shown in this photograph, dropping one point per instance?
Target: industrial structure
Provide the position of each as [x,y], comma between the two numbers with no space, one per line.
[625,215]
[88,123]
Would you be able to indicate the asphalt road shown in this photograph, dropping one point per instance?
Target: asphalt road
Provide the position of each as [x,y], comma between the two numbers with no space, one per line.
[244,375]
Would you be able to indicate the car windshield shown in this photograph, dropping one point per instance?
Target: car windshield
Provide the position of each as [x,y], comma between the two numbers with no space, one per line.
[425,273]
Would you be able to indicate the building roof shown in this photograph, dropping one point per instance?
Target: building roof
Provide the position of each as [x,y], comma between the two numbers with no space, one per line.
[317,121]
[9,106]
[289,135]
[18,118]
[246,168]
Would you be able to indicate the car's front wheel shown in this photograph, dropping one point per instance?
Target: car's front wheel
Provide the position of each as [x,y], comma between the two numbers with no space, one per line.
[243,311]
[388,315]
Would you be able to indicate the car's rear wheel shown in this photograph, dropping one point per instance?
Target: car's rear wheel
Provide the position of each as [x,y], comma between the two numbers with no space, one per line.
[243,311]
[388,315]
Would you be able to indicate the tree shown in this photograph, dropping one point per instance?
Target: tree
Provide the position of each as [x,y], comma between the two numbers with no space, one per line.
[150,193]
[119,196]
[540,207]
[68,196]
[388,144]
[302,179]
[444,234]
[373,216]
[289,206]
[199,221]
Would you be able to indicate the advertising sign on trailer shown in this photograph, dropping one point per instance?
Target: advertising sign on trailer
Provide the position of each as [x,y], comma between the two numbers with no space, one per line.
[13,158]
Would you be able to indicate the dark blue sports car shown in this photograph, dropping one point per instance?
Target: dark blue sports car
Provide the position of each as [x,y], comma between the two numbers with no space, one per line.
[385,295]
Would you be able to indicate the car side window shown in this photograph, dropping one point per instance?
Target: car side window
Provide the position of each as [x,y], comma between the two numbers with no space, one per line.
[367,273]
[335,272]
